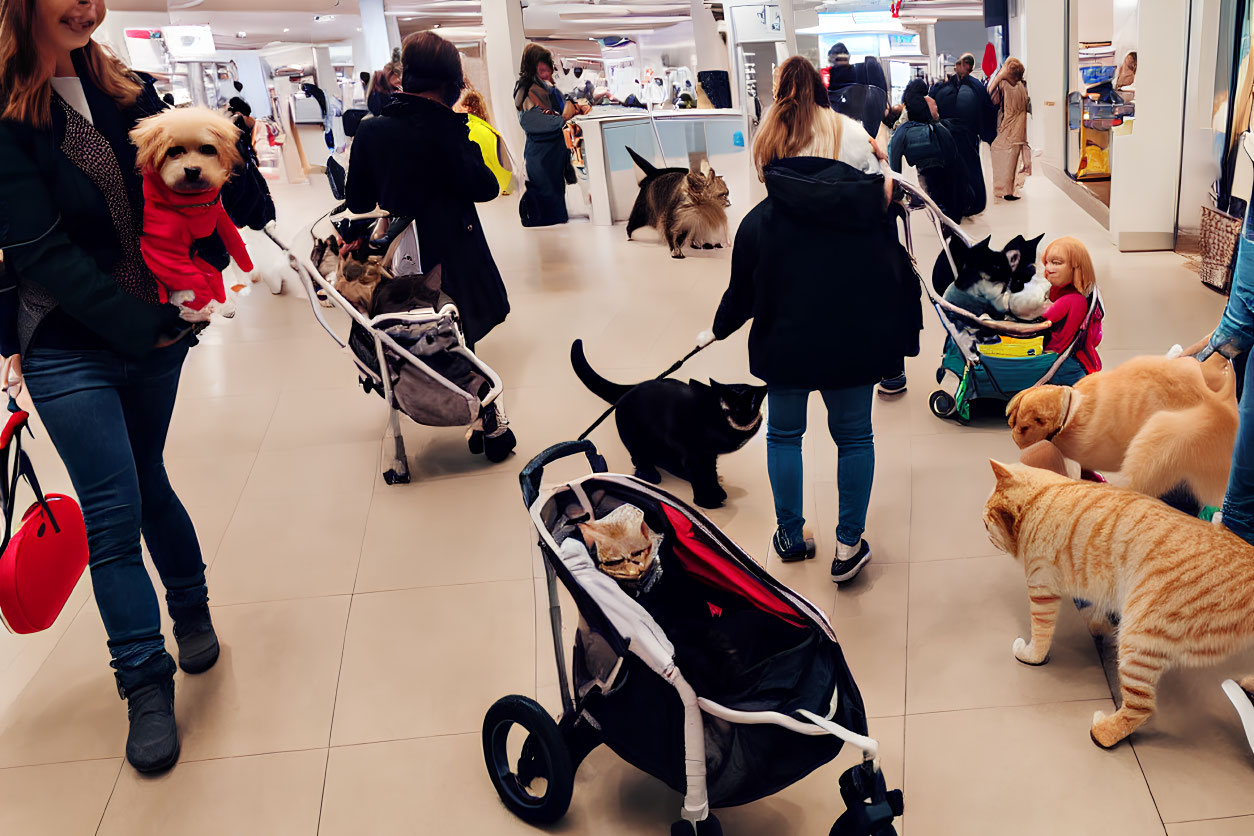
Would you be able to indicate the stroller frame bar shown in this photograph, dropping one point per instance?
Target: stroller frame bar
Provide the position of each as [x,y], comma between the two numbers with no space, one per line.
[696,800]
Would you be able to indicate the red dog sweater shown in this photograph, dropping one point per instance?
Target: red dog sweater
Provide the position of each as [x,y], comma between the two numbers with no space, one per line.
[172,223]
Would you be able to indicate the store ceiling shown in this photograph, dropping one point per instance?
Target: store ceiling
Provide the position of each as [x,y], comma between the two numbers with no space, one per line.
[264,22]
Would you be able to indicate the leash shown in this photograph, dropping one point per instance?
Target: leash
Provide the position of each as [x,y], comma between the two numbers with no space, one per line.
[673,368]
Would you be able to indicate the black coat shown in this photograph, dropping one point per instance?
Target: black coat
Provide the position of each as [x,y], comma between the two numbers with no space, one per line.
[56,230]
[818,267]
[967,101]
[417,161]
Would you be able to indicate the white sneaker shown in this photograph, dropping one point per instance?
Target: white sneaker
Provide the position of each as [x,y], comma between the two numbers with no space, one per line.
[1243,702]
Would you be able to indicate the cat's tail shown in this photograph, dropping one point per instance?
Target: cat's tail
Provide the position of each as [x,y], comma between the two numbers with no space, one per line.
[598,385]
[647,168]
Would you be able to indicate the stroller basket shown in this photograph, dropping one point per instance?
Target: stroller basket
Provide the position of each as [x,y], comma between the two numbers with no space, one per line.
[981,376]
[718,680]
[431,376]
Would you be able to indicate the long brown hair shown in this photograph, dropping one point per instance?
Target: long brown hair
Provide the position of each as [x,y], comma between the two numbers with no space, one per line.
[788,126]
[1015,70]
[25,80]
[1083,277]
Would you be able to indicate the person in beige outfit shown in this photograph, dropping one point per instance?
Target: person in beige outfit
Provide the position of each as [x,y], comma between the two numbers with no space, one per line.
[1012,158]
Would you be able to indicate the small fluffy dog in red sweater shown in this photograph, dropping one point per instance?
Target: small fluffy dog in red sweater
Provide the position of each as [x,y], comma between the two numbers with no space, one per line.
[185,156]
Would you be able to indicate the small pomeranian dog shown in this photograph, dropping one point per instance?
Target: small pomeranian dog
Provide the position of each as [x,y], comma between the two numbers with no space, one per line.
[185,156]
[684,206]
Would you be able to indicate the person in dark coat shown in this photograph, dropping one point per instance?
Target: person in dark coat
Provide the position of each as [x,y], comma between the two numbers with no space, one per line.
[543,113]
[860,91]
[837,325]
[968,111]
[927,145]
[435,182]
[82,326]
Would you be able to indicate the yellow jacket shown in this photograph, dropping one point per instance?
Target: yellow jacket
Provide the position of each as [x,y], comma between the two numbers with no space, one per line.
[490,142]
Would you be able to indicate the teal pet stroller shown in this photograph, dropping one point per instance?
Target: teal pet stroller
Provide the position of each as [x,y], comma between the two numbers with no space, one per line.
[980,375]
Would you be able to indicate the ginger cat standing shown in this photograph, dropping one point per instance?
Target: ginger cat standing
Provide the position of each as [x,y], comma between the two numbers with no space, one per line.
[1184,588]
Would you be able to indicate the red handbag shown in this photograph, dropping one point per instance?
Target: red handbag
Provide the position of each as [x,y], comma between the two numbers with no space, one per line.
[42,560]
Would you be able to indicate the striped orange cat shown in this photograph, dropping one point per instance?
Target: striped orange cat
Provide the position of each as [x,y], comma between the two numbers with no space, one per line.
[1183,588]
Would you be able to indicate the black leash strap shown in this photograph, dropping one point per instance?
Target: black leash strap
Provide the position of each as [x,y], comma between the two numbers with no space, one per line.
[674,368]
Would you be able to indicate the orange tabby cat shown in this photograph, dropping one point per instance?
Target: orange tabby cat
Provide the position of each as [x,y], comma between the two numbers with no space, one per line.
[1184,587]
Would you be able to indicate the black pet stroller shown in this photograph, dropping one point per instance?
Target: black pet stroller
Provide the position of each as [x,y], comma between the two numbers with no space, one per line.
[416,360]
[981,374]
[716,679]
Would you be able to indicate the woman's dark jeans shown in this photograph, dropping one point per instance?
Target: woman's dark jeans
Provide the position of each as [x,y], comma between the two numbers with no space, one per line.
[1238,508]
[108,418]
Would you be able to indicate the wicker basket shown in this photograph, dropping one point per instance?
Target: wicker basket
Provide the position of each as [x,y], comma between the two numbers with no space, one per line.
[1220,235]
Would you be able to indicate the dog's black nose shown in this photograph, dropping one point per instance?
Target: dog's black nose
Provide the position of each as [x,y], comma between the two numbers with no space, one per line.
[192,174]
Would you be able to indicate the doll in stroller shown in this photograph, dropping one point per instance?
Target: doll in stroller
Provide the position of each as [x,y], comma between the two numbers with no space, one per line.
[991,359]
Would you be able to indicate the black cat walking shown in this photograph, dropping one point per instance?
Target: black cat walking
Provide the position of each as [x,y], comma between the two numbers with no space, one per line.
[679,427]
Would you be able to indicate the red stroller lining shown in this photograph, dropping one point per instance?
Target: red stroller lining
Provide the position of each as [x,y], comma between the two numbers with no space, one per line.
[702,562]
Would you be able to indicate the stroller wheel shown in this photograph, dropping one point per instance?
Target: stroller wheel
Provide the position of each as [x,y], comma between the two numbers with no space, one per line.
[707,827]
[544,756]
[942,404]
[497,448]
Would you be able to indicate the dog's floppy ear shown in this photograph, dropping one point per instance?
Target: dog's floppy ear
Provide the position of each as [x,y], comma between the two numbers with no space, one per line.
[1012,410]
[152,140]
[225,135]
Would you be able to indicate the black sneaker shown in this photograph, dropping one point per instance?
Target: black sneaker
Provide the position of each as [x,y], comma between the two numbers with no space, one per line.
[789,551]
[892,385]
[847,570]
[152,745]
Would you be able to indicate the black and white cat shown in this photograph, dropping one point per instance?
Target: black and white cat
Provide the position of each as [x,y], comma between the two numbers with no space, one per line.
[679,427]
[994,282]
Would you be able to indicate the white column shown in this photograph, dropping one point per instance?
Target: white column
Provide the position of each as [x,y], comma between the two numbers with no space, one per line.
[711,51]
[787,18]
[503,40]
[1145,164]
[324,72]
[394,34]
[374,35]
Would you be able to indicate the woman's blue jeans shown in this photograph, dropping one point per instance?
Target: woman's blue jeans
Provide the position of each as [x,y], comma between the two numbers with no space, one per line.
[1238,507]
[108,418]
[849,422]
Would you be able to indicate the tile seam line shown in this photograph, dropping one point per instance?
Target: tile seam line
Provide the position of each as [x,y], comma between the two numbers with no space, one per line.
[112,790]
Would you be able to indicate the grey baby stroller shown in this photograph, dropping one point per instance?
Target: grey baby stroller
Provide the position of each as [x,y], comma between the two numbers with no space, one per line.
[412,354]
[705,671]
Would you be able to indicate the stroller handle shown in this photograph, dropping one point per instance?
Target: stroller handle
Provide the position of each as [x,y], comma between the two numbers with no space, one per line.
[531,475]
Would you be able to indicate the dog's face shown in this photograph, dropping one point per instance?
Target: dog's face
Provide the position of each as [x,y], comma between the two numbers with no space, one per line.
[191,149]
[1038,413]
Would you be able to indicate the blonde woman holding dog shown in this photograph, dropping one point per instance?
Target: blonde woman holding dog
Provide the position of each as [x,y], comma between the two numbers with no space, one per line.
[101,357]
[818,268]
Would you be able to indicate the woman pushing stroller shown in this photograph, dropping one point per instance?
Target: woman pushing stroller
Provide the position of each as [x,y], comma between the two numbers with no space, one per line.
[838,328]
[436,183]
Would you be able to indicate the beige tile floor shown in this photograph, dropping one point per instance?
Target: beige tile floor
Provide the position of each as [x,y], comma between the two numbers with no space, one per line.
[367,628]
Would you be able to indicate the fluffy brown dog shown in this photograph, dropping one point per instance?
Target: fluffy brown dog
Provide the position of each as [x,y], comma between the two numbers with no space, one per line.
[186,155]
[1158,421]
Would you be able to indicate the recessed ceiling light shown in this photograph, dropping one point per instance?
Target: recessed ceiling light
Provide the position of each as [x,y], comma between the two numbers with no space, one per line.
[358,28]
[287,30]
[407,19]
[437,26]
[241,35]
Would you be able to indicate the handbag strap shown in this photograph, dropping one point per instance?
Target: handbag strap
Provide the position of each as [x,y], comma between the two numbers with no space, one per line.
[11,438]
